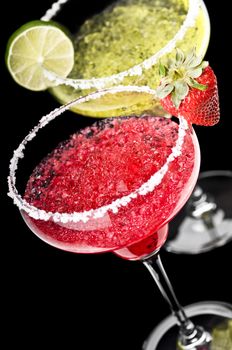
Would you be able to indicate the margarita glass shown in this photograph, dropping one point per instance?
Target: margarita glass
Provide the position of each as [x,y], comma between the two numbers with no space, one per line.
[114,186]
[122,45]
[205,222]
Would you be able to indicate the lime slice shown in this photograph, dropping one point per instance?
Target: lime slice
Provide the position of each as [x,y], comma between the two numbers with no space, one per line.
[34,47]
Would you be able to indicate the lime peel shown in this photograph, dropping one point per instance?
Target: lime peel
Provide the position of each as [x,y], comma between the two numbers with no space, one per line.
[35,47]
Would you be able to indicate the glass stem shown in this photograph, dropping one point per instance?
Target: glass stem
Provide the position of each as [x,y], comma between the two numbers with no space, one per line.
[190,336]
[202,206]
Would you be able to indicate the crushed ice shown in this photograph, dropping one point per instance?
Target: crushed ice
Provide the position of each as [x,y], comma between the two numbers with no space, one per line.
[85,216]
[100,83]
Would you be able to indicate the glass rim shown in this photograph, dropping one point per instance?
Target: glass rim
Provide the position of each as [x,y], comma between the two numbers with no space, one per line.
[115,205]
[137,70]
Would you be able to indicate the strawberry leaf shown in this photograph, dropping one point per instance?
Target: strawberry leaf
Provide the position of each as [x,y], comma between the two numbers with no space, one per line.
[162,70]
[195,62]
[190,58]
[179,74]
[164,90]
[194,84]
[195,73]
[175,99]
[179,56]
[181,89]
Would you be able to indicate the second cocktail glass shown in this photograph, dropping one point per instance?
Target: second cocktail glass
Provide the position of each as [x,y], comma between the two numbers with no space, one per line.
[121,45]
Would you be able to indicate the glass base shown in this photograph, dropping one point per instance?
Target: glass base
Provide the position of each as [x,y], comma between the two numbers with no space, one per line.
[191,234]
[215,317]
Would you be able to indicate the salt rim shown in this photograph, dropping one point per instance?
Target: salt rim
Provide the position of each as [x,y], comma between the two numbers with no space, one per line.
[137,70]
[55,8]
[85,216]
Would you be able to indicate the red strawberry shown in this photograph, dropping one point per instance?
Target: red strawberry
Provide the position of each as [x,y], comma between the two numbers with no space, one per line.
[189,88]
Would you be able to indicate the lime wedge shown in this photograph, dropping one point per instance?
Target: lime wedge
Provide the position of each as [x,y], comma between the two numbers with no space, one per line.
[34,47]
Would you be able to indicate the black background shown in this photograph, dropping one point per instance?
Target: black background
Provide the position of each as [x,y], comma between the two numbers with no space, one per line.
[100,301]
